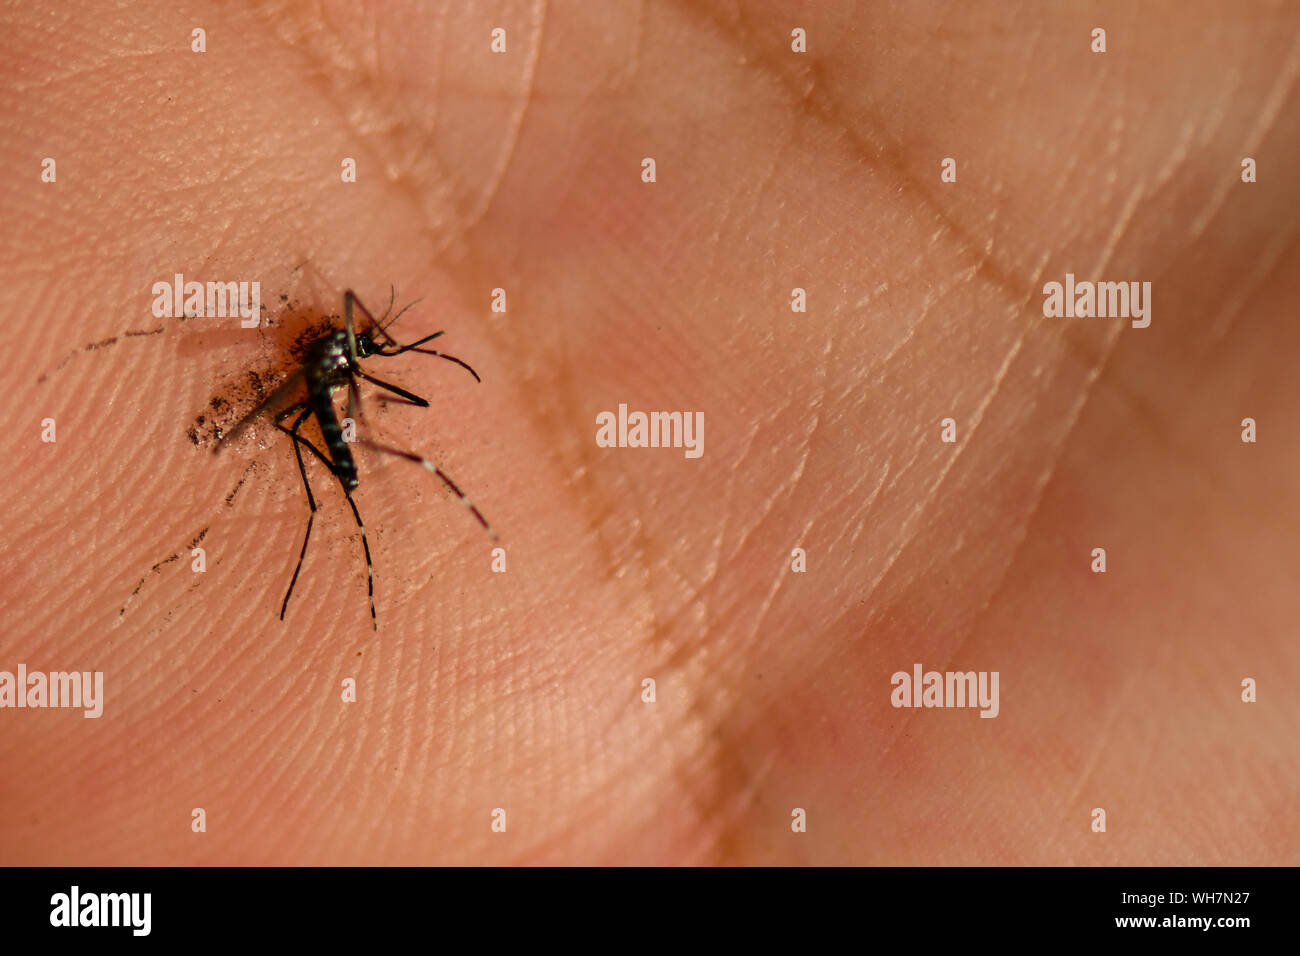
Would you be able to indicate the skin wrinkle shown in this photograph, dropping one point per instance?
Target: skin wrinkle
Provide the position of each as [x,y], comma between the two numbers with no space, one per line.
[1272,108]
[546,845]
[1112,241]
[566,406]
[634,67]
[876,371]
[1099,84]
[318,737]
[435,97]
[441,220]
[867,506]
[396,820]
[1264,269]
[706,724]
[727,506]
[786,491]
[883,154]
[850,494]
[606,790]
[931,493]
[1074,417]
[1177,159]
[1040,484]
[1069,806]
[781,576]
[253,737]
[932,298]
[767,506]
[308,730]
[910,525]
[721,836]
[281,843]
[747,795]
[698,592]
[1021,536]
[112,61]
[277,776]
[766,178]
[905,721]
[694,727]
[1110,343]
[517,120]
[719,759]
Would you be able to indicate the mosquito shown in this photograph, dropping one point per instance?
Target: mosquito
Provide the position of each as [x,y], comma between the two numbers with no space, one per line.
[330,362]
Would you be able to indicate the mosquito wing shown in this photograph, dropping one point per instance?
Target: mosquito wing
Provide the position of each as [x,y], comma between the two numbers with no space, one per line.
[272,401]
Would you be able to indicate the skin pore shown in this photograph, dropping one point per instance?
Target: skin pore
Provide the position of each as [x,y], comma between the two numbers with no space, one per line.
[774,171]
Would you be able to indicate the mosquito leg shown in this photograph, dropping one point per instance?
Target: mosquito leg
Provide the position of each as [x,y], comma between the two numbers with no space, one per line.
[370,567]
[394,400]
[410,397]
[445,478]
[354,393]
[298,443]
[354,398]
[313,449]
[355,411]
[350,299]
[292,432]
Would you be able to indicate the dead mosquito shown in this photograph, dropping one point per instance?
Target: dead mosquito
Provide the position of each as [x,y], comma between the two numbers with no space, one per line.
[330,362]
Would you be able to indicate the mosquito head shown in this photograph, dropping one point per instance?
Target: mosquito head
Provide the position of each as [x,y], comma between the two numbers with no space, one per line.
[365,345]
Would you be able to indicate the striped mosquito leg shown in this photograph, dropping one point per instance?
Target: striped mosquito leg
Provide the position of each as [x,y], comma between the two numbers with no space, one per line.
[298,443]
[446,479]
[370,568]
[292,432]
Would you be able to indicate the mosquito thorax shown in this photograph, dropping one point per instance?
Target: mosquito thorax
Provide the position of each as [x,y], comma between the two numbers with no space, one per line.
[365,345]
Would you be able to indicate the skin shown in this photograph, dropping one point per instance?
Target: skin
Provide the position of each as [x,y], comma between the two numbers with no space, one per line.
[522,690]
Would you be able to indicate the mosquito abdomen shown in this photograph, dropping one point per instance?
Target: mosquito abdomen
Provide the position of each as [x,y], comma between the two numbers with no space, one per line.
[322,407]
